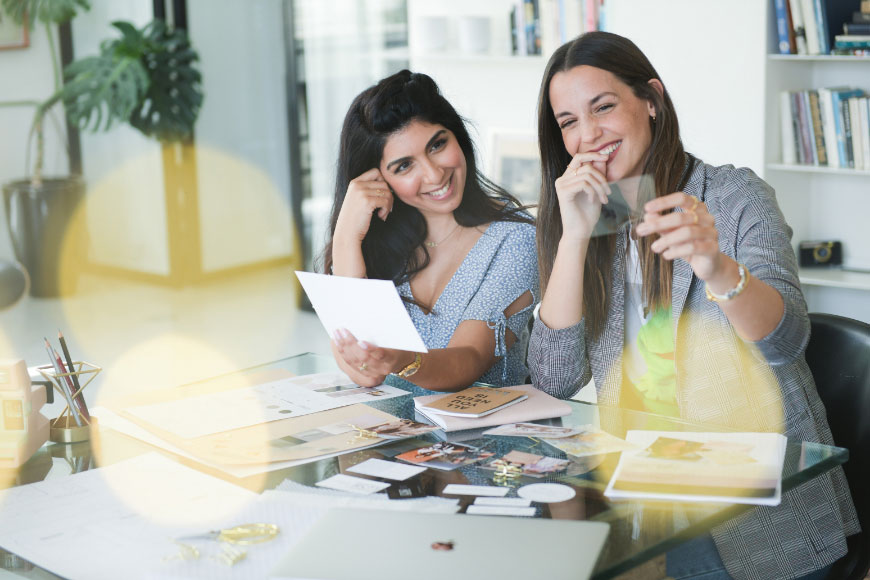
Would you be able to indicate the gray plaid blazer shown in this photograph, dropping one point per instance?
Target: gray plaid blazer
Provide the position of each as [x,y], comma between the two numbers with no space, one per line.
[723,380]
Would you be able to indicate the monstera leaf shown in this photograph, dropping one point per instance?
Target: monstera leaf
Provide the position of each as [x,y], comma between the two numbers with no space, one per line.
[49,11]
[102,90]
[173,99]
[145,77]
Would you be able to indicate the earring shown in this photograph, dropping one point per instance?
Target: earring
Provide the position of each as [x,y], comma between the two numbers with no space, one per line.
[654,118]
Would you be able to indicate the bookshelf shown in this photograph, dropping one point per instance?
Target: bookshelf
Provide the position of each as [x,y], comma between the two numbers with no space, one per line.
[821,202]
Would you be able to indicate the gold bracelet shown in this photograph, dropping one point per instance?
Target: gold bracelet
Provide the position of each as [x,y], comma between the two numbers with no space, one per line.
[411,368]
[734,292]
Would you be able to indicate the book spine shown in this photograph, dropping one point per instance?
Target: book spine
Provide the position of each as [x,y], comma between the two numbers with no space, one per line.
[782,26]
[846,112]
[857,141]
[806,137]
[827,107]
[860,17]
[856,29]
[800,35]
[865,131]
[838,129]
[786,120]
[822,23]
[811,26]
[792,46]
[520,27]
[808,127]
[818,131]
[794,107]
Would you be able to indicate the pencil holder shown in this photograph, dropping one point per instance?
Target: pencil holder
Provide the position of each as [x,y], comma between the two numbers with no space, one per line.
[74,424]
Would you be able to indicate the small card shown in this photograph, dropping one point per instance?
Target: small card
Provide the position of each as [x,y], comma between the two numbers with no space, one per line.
[386,469]
[489,510]
[590,441]
[487,490]
[503,501]
[352,484]
[444,455]
[532,430]
[530,464]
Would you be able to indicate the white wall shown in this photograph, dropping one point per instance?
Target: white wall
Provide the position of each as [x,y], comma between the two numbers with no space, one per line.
[26,74]
[710,55]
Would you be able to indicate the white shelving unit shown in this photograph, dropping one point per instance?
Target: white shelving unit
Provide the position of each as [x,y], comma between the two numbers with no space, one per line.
[821,203]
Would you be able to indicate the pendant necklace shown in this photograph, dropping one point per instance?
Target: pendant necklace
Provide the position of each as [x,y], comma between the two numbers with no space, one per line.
[436,244]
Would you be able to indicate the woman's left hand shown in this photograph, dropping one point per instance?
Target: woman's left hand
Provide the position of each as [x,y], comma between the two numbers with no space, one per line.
[370,364]
[690,234]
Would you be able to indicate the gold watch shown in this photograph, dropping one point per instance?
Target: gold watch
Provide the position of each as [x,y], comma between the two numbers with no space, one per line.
[411,368]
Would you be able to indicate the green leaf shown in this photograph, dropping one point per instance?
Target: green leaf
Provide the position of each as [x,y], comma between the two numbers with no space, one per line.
[174,96]
[102,90]
[46,11]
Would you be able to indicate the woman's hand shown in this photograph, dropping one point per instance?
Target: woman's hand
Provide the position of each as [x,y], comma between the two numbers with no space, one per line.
[690,234]
[366,194]
[582,190]
[367,364]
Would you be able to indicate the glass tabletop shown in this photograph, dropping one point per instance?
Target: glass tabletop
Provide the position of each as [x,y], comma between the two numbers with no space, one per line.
[639,530]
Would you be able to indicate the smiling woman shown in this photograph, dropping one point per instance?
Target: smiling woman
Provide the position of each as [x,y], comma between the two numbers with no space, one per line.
[411,207]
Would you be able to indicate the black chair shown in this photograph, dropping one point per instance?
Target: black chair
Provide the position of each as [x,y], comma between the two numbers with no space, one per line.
[839,357]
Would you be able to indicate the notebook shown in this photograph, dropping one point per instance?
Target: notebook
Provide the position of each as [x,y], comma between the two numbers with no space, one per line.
[355,544]
[474,402]
[539,405]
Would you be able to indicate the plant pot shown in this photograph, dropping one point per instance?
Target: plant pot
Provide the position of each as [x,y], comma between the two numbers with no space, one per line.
[47,234]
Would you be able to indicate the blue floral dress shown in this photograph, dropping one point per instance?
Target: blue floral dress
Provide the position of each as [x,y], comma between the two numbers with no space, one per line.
[501,267]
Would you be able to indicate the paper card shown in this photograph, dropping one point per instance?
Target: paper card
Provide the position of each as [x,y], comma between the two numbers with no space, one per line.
[352,484]
[488,510]
[386,469]
[533,430]
[590,441]
[503,501]
[370,309]
[445,455]
[487,490]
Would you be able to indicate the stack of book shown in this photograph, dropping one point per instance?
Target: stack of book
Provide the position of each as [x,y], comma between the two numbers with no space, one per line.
[823,26]
[541,26]
[827,127]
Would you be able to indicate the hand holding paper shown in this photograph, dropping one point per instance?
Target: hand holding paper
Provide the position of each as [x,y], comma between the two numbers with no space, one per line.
[370,309]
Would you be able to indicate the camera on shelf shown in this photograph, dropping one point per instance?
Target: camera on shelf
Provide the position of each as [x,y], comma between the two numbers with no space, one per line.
[824,253]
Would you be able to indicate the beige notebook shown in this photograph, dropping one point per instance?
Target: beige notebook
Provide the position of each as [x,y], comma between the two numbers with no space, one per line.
[474,402]
[538,405]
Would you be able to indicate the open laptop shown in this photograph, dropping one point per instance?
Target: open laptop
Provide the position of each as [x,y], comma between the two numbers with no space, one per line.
[359,544]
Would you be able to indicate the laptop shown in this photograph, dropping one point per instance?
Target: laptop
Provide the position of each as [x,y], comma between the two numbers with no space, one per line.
[359,544]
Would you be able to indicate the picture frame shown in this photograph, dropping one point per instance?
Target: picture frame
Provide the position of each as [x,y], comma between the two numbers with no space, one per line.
[515,164]
[13,36]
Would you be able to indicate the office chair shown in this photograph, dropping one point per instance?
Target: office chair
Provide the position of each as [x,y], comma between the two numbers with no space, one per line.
[838,355]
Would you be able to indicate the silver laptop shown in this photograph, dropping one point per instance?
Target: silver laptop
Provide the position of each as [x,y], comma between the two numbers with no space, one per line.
[355,544]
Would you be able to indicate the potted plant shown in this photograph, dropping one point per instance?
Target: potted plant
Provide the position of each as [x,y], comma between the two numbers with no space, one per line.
[146,77]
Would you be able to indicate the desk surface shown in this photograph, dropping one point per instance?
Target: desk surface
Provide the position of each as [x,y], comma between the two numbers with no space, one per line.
[639,531]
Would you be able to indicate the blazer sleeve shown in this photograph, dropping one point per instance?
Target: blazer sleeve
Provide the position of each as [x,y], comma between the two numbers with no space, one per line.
[763,245]
[557,359]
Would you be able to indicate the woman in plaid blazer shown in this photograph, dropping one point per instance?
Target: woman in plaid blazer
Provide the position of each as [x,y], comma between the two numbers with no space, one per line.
[686,302]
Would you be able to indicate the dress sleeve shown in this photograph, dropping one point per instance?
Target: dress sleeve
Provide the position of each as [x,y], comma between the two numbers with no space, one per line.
[512,271]
[763,245]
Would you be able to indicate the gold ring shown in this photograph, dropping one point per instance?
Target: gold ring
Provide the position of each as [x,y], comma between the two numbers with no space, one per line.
[695,204]
[363,367]
[694,215]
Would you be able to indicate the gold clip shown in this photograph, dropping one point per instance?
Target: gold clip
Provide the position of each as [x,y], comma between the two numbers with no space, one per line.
[230,555]
[185,552]
[361,434]
[505,471]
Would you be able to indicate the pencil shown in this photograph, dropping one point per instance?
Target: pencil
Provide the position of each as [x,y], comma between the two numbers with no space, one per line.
[55,361]
[80,399]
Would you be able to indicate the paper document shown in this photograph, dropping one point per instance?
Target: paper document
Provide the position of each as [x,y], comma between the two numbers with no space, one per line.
[370,309]
[741,468]
[236,408]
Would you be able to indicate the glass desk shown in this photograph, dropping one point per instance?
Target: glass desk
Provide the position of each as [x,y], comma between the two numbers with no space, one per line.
[639,531]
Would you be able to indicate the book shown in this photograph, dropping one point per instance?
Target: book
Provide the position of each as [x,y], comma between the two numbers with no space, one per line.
[797,19]
[856,29]
[811,26]
[865,130]
[783,26]
[818,130]
[809,133]
[473,402]
[855,140]
[538,405]
[846,112]
[827,110]
[805,153]
[743,468]
[789,153]
[852,41]
[833,14]
[838,96]
[860,17]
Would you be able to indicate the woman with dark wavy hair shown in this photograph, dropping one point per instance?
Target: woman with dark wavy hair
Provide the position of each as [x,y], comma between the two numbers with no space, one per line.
[690,307]
[411,207]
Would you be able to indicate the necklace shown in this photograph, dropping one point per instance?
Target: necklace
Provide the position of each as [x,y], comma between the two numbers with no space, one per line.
[436,244]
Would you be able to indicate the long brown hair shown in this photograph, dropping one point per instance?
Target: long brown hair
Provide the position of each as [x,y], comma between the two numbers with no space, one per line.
[665,161]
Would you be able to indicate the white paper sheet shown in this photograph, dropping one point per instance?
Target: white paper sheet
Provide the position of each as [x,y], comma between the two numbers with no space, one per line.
[116,521]
[491,510]
[386,469]
[236,408]
[352,484]
[370,309]
[114,421]
[487,490]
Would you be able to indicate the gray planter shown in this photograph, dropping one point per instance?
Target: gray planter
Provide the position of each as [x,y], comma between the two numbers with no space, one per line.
[44,234]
